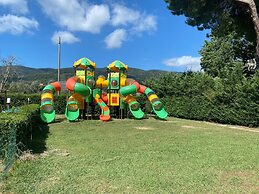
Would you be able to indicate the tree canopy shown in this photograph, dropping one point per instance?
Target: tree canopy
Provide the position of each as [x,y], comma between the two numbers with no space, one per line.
[221,16]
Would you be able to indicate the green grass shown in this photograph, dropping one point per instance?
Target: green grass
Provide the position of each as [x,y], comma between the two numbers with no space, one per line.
[147,156]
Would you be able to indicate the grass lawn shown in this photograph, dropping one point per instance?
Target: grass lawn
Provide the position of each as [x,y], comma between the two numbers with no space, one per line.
[146,156]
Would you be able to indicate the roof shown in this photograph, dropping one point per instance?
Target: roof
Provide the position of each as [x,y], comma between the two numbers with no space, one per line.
[117,65]
[84,63]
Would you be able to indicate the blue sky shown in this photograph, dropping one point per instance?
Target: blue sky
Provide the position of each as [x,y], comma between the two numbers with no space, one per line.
[142,34]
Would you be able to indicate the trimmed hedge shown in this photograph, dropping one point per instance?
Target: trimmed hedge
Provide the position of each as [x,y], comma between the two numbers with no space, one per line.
[22,99]
[15,130]
[22,119]
[198,96]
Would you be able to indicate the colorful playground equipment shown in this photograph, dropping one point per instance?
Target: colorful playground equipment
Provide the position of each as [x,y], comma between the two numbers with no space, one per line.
[84,95]
[121,91]
[47,111]
[115,96]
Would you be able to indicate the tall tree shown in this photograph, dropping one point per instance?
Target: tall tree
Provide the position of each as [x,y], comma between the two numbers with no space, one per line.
[216,14]
[8,71]
[254,15]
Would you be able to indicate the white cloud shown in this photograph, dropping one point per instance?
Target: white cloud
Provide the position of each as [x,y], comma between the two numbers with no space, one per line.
[17,25]
[17,6]
[66,37]
[76,15]
[189,62]
[148,23]
[134,21]
[116,38]
[122,15]
[137,21]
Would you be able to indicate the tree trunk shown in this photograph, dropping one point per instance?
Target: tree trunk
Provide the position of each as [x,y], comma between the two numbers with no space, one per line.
[255,18]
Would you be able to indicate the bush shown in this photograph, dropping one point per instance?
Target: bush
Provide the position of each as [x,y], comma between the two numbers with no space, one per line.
[15,129]
[22,119]
[233,100]
[22,99]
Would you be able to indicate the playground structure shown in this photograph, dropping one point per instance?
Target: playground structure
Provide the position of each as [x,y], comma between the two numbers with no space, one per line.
[47,111]
[115,96]
[85,96]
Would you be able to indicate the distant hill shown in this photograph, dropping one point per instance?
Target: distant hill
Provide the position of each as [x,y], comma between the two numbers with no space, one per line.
[46,75]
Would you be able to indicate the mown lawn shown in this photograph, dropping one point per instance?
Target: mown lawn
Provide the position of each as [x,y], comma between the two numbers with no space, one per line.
[146,156]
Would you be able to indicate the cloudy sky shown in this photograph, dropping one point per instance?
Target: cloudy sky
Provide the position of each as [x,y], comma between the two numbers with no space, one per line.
[142,34]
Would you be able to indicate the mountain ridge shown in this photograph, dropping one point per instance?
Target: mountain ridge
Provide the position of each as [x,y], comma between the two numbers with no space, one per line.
[44,75]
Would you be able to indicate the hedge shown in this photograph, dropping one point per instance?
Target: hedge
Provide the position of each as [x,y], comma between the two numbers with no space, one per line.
[22,99]
[15,129]
[197,96]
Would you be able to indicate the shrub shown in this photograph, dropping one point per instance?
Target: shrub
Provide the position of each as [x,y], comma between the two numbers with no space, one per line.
[15,129]
[232,100]
[22,99]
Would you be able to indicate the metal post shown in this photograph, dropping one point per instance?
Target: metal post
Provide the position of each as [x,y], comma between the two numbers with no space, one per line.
[59,54]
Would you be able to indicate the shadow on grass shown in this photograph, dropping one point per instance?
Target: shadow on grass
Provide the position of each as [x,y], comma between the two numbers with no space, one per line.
[39,136]
[60,119]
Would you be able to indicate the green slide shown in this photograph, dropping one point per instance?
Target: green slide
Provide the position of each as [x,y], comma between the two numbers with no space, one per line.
[134,107]
[76,101]
[156,104]
[159,110]
[47,112]
[72,111]
[136,110]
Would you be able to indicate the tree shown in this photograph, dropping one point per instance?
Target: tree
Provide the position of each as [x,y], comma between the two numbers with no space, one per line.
[7,72]
[221,55]
[220,15]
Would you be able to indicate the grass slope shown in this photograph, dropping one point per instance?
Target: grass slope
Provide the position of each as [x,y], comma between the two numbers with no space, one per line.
[147,156]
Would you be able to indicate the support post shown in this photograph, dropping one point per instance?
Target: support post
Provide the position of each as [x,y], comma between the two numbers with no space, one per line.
[59,55]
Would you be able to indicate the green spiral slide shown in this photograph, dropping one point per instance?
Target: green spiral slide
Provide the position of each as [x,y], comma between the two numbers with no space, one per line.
[126,92]
[47,112]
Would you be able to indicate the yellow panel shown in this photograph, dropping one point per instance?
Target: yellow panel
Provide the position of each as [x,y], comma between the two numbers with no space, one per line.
[80,73]
[81,79]
[47,95]
[123,75]
[101,81]
[151,97]
[128,99]
[114,74]
[90,73]
[123,81]
[113,99]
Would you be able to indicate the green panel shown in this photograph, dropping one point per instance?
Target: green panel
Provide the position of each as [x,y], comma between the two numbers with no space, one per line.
[116,80]
[97,91]
[122,104]
[87,63]
[89,99]
[120,65]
